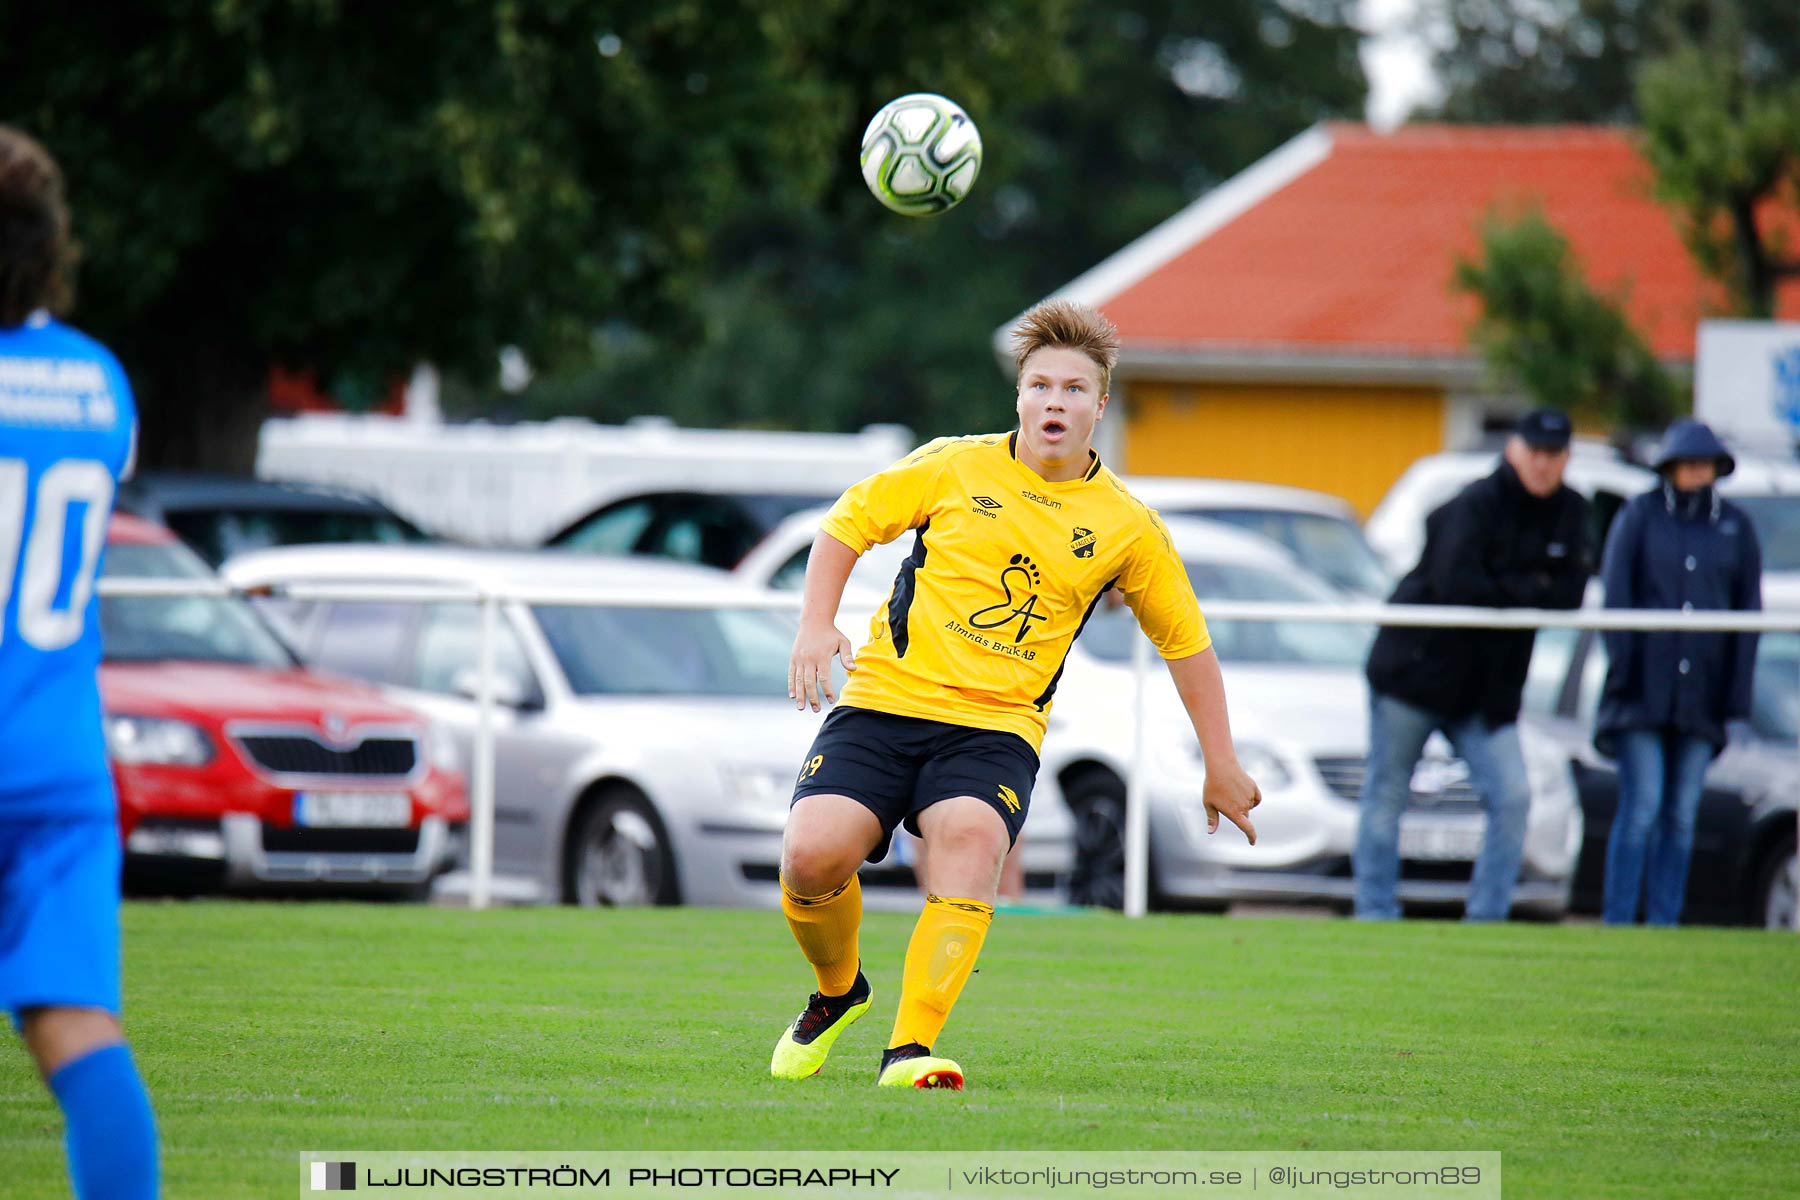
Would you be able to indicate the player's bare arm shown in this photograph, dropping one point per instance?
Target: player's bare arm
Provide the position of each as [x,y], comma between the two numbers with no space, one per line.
[1230,792]
[809,666]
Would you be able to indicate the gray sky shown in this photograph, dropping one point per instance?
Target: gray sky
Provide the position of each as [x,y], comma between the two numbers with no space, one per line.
[1397,62]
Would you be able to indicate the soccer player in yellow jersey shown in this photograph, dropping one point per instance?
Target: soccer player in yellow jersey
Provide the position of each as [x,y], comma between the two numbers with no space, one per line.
[1015,538]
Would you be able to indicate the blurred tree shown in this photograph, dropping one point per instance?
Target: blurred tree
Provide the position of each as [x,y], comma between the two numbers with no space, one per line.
[352,188]
[1722,131]
[1560,60]
[1577,60]
[840,314]
[1543,330]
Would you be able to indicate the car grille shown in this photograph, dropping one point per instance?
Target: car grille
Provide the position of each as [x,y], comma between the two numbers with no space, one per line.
[300,754]
[277,840]
[1344,776]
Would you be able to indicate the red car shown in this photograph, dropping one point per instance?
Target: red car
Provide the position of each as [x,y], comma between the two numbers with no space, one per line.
[239,769]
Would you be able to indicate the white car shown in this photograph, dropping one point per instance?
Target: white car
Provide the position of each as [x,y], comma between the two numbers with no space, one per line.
[1319,529]
[1396,529]
[644,754]
[1768,489]
[1299,708]
[779,562]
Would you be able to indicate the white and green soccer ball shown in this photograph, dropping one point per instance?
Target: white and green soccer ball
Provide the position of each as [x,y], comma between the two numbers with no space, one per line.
[920,155]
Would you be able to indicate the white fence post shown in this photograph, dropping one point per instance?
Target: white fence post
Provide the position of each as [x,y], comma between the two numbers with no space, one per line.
[481,766]
[1137,804]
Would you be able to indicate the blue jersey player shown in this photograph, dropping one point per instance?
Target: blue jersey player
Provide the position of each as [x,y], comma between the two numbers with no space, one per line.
[67,425]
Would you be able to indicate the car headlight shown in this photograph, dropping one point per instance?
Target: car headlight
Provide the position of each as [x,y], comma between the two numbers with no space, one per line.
[766,789]
[158,741]
[1264,766]
[441,748]
[1259,762]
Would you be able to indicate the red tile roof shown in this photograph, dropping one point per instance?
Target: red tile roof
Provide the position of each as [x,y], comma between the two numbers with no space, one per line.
[1354,253]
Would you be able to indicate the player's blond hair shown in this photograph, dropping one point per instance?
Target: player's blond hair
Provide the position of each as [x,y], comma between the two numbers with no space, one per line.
[1070,326]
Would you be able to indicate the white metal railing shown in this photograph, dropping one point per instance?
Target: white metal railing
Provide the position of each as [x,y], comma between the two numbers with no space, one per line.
[491,596]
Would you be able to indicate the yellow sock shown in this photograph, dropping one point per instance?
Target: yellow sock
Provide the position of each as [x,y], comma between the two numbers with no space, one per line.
[825,926]
[939,958]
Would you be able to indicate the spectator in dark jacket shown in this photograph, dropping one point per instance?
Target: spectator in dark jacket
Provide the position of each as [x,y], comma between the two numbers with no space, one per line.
[1516,539]
[1668,695]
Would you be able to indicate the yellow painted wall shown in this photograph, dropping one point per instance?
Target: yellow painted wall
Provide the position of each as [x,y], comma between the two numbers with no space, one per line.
[1350,441]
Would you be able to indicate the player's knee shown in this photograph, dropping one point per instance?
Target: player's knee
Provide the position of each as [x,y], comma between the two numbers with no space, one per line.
[811,868]
[56,1036]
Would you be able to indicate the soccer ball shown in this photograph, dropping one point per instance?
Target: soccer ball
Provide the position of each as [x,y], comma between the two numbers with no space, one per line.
[920,155]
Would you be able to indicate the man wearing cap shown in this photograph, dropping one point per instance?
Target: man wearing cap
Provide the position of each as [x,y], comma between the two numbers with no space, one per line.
[1668,695]
[1516,539]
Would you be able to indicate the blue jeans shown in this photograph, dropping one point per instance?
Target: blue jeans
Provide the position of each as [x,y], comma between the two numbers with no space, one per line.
[1661,776]
[1397,736]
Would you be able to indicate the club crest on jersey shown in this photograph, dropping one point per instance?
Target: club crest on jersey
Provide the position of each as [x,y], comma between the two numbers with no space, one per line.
[1083,543]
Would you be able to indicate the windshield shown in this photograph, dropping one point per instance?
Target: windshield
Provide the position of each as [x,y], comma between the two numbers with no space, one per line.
[220,533]
[1777,521]
[1108,635]
[1331,546]
[664,652]
[191,628]
[688,526]
[874,570]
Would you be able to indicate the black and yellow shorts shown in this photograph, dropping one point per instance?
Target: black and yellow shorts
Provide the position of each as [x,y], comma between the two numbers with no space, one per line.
[897,767]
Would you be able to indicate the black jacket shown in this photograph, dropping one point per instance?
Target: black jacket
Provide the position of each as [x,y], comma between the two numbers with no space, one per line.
[1493,545]
[1691,550]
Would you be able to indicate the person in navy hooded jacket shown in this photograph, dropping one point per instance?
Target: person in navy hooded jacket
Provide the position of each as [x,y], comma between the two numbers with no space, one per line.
[1669,695]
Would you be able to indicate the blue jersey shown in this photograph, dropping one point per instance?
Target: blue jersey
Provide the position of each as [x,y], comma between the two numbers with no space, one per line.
[67,425]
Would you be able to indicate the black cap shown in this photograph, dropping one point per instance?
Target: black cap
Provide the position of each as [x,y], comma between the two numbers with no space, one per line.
[1544,429]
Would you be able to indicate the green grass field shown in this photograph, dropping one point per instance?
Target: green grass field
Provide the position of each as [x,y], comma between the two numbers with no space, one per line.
[1599,1062]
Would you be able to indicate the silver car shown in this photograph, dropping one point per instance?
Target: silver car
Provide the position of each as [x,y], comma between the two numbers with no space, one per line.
[644,754]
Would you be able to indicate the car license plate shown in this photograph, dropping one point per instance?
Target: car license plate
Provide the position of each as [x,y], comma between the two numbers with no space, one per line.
[353,810]
[1440,843]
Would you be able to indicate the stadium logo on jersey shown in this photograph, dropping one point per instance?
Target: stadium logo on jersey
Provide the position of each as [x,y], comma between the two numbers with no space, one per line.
[1009,798]
[1046,501]
[1083,543]
[1018,581]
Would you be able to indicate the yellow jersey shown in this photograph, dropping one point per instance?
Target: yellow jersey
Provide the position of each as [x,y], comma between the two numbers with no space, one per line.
[1006,568]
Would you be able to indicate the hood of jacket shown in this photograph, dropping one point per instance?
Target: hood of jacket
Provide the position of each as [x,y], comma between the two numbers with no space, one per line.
[1693,440]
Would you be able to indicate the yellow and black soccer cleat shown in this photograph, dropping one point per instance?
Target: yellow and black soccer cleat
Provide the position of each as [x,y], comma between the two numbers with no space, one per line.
[914,1066]
[803,1046]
